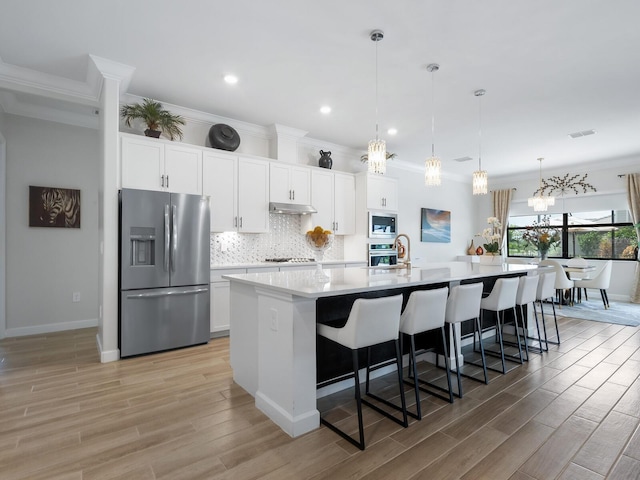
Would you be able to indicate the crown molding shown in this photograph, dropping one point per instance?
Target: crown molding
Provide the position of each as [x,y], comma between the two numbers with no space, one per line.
[41,84]
[11,105]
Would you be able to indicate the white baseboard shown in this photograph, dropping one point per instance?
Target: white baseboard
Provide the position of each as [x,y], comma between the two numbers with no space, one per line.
[107,356]
[50,328]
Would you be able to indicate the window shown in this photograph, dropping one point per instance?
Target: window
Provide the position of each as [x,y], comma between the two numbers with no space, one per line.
[605,234]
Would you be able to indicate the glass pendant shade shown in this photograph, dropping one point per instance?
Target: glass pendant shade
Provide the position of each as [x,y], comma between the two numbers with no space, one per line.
[480,182]
[432,170]
[539,202]
[377,156]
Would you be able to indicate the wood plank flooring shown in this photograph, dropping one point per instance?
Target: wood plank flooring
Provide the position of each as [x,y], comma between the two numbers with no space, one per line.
[571,413]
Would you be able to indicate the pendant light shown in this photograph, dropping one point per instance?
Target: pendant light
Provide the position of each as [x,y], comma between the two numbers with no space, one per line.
[480,179]
[432,165]
[539,202]
[377,152]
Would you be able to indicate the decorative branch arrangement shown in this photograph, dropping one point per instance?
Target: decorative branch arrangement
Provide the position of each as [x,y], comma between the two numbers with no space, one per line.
[564,184]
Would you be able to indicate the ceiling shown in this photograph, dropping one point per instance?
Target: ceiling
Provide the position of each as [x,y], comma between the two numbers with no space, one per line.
[549,68]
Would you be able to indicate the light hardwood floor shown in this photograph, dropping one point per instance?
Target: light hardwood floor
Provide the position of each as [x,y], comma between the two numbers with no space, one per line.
[571,413]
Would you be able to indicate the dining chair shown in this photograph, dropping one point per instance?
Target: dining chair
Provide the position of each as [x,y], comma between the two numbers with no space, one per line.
[600,281]
[564,285]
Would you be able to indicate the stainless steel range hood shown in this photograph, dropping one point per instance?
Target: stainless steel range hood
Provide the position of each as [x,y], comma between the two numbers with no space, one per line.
[291,208]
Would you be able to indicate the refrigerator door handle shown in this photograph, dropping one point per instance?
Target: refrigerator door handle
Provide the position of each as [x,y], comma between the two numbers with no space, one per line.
[174,230]
[165,294]
[167,238]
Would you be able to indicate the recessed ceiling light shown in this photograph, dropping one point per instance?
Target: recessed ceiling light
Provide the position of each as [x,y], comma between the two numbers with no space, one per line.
[583,133]
[325,109]
[462,159]
[230,79]
[392,131]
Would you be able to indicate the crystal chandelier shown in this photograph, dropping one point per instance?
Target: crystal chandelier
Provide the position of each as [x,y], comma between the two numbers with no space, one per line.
[539,202]
[432,166]
[480,179]
[377,151]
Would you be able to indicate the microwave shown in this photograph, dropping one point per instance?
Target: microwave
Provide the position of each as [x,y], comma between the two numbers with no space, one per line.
[383,225]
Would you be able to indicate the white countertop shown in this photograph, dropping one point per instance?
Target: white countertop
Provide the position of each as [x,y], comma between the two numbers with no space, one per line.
[343,281]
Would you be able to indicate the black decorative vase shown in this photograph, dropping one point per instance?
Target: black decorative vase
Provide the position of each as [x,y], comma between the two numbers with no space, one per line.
[325,160]
[152,133]
[224,137]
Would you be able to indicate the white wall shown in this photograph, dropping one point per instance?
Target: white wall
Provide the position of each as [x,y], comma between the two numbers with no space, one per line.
[452,195]
[46,265]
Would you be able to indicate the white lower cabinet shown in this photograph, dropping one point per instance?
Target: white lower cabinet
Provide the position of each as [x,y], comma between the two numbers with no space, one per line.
[220,314]
[220,310]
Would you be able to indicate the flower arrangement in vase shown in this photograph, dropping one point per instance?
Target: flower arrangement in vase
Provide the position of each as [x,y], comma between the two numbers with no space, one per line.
[492,236]
[542,236]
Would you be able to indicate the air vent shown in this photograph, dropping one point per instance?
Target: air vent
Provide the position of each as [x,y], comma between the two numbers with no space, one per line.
[583,133]
[462,159]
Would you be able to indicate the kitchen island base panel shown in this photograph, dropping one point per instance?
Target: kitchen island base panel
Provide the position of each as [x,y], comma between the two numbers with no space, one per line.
[292,425]
[286,327]
[243,338]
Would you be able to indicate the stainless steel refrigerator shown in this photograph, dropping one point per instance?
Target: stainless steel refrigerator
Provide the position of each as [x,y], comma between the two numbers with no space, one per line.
[164,271]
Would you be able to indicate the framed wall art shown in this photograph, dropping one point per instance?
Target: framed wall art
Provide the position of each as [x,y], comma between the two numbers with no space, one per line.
[54,207]
[435,226]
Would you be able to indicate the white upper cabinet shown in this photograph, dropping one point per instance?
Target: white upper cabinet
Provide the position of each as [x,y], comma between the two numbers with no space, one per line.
[238,189]
[344,204]
[322,199]
[153,164]
[142,163]
[220,183]
[253,195]
[183,169]
[382,193]
[290,184]
[333,195]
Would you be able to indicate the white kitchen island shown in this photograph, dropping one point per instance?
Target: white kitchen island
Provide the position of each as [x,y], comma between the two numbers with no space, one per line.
[273,326]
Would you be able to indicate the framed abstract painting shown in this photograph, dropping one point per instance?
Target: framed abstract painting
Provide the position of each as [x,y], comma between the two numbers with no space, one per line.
[435,225]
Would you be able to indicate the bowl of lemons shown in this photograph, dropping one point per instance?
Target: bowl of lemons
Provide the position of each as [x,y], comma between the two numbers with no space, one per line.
[319,241]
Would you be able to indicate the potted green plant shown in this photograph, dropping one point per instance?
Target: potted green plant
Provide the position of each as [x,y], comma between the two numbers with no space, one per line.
[158,119]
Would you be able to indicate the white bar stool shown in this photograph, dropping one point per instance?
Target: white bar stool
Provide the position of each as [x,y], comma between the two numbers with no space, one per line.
[527,288]
[502,297]
[424,312]
[546,291]
[464,304]
[371,322]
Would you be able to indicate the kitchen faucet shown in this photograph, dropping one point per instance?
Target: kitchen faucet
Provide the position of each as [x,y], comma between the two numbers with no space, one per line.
[407,262]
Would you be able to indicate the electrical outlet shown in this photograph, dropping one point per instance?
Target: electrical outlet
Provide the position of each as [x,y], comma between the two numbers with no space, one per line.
[274,319]
[76,297]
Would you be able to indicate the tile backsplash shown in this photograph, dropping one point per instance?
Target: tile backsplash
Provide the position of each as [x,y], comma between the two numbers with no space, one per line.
[285,239]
